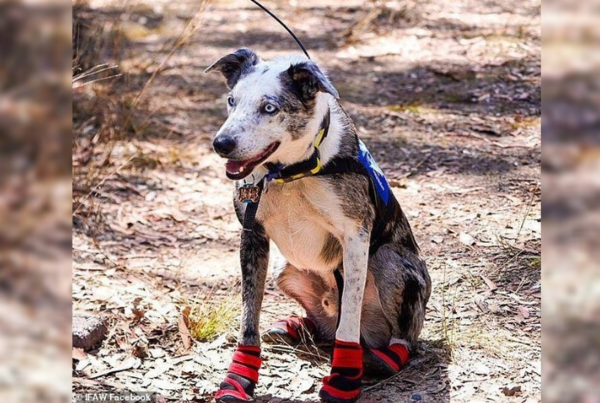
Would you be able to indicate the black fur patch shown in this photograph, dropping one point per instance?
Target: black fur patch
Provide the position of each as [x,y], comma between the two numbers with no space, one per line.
[296,112]
[412,296]
[332,250]
[309,79]
[235,65]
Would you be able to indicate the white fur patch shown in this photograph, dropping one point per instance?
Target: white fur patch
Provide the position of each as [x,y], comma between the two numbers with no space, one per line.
[254,131]
[356,259]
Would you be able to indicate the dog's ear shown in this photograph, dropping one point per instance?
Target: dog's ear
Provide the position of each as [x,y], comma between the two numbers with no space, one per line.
[309,79]
[234,65]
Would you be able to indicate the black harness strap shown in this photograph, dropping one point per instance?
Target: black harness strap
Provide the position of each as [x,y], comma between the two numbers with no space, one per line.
[302,169]
[295,169]
[252,208]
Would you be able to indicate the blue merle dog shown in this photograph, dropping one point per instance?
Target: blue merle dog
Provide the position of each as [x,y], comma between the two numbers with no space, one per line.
[305,181]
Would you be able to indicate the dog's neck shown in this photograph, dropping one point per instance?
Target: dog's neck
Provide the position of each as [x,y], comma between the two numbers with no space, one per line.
[332,144]
[341,139]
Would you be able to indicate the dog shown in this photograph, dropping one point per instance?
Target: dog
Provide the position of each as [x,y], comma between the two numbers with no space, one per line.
[305,181]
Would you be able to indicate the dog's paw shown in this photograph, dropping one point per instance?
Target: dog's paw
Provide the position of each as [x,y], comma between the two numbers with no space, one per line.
[232,396]
[331,394]
[291,331]
[344,383]
[277,336]
[242,376]
[386,361]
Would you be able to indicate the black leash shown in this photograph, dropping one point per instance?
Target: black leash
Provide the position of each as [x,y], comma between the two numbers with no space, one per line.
[266,10]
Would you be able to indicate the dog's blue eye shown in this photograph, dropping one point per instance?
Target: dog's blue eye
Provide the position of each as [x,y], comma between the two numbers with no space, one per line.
[231,101]
[270,108]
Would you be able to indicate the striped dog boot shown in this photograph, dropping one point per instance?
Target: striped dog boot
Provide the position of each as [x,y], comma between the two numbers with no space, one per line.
[343,385]
[290,331]
[242,376]
[386,361]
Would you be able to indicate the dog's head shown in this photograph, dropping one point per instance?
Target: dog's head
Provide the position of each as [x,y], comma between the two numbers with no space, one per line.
[274,107]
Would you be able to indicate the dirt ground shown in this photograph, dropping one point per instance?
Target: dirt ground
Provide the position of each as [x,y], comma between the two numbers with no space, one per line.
[447,97]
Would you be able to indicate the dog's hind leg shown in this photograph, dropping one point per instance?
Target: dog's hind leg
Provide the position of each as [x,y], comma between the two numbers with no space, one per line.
[318,296]
[404,287]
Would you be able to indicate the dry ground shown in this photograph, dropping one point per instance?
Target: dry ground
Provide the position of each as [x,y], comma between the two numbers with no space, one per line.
[447,97]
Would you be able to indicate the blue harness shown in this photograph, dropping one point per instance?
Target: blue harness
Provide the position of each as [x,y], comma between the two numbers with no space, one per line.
[378,179]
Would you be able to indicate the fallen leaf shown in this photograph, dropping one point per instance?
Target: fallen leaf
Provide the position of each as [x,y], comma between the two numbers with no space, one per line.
[512,391]
[466,239]
[159,368]
[79,354]
[138,314]
[304,385]
[300,385]
[163,384]
[157,353]
[129,363]
[122,342]
[491,285]
[481,369]
[523,311]
[480,302]
[186,315]
[437,239]
[184,332]
[81,365]
[495,308]
[140,350]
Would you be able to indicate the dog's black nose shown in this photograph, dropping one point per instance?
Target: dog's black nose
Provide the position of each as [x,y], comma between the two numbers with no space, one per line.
[224,145]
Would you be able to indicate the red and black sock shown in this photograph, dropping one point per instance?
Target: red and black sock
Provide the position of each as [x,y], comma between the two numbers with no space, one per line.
[292,330]
[242,376]
[343,385]
[392,358]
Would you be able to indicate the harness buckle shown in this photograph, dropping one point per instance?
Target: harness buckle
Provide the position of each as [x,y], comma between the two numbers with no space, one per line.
[248,193]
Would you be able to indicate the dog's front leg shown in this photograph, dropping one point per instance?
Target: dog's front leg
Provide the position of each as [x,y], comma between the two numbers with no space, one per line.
[242,375]
[343,385]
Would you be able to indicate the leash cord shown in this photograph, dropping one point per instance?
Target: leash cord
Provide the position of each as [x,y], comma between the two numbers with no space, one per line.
[266,10]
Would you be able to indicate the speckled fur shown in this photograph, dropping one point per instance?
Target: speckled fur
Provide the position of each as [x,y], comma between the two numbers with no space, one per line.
[321,223]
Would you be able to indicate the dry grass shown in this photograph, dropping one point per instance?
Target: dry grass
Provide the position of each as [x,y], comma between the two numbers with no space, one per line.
[415,108]
[207,320]
[522,122]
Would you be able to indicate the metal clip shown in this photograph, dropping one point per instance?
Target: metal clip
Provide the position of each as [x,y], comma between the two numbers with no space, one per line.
[248,192]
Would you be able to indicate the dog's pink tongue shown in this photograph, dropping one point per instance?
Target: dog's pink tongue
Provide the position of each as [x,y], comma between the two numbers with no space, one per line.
[234,166]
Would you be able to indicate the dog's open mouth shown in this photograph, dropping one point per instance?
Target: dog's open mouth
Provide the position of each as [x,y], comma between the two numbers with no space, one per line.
[239,169]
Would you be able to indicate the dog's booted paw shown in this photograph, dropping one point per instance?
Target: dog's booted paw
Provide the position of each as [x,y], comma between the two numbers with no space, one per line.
[343,385]
[290,331]
[386,361]
[242,376]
